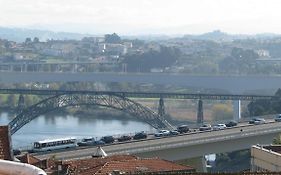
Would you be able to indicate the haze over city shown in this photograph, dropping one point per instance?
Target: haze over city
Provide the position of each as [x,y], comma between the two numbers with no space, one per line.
[131,17]
[140,87]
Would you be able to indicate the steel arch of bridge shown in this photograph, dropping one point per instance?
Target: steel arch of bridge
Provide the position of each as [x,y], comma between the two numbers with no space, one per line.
[64,100]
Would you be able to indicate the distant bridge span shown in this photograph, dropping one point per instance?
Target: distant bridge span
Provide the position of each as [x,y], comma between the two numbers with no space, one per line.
[111,101]
[130,94]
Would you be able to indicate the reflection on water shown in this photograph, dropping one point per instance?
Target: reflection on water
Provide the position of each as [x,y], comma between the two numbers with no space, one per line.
[57,126]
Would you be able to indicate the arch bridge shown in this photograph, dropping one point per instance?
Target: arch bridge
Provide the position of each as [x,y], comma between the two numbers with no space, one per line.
[64,100]
[117,100]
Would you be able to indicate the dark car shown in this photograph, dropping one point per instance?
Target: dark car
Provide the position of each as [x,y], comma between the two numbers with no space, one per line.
[231,123]
[174,132]
[93,143]
[107,139]
[140,135]
[124,138]
[183,129]
[257,121]
[16,152]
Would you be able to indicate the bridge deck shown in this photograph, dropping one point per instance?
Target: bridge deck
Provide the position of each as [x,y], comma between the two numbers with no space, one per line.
[139,94]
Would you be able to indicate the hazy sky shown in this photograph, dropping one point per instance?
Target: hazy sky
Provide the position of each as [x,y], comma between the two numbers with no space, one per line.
[144,16]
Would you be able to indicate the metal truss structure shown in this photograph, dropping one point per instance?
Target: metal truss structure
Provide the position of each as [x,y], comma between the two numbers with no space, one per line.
[141,94]
[112,101]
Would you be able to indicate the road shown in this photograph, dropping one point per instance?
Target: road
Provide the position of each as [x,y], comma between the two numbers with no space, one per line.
[174,142]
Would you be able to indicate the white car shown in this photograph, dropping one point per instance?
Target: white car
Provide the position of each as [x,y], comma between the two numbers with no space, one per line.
[219,127]
[162,133]
[278,118]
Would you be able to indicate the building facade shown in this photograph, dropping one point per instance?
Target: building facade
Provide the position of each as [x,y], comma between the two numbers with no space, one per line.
[266,158]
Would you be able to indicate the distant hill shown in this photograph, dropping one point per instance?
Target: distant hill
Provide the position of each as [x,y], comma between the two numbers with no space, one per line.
[19,35]
[217,35]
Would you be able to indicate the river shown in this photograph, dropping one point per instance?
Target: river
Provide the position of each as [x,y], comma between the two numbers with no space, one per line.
[61,126]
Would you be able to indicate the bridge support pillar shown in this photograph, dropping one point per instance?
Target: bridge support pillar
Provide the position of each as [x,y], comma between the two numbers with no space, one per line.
[237,110]
[161,108]
[20,106]
[200,116]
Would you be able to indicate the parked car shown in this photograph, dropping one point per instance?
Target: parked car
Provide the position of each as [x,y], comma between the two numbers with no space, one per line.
[174,132]
[219,127]
[124,138]
[162,133]
[86,141]
[140,135]
[183,129]
[107,139]
[205,127]
[16,152]
[231,123]
[278,118]
[93,143]
[257,121]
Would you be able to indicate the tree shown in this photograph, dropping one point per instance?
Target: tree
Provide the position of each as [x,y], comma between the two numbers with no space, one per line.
[36,40]
[144,62]
[264,107]
[28,41]
[240,61]
[277,140]
[112,38]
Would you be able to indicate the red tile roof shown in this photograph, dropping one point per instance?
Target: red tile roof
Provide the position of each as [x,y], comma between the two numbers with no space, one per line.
[92,165]
[141,165]
[122,163]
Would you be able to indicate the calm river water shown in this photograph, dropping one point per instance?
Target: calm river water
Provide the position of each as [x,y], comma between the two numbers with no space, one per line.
[60,126]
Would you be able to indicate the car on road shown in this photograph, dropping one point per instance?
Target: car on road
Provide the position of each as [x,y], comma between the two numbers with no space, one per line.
[93,143]
[16,152]
[257,121]
[140,135]
[124,138]
[162,133]
[174,132]
[231,123]
[219,127]
[183,129]
[86,141]
[278,118]
[108,139]
[205,127]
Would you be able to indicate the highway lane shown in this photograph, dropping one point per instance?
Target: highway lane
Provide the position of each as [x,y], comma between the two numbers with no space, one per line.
[171,142]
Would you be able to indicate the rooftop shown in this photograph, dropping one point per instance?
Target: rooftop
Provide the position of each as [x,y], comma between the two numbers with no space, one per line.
[120,163]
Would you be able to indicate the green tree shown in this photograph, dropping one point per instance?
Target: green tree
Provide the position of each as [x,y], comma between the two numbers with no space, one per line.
[143,62]
[28,41]
[36,40]
[240,61]
[277,140]
[112,38]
